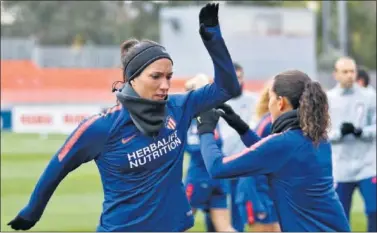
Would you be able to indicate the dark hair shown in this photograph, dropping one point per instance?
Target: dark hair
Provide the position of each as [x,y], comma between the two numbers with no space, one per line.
[127,52]
[310,100]
[237,66]
[362,74]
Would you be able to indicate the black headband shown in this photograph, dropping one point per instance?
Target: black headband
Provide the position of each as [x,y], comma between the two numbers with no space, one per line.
[147,53]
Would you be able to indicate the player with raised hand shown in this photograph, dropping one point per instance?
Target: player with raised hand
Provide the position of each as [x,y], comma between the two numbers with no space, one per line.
[138,145]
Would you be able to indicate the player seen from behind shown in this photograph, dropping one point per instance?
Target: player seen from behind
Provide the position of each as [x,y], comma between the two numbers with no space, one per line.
[296,156]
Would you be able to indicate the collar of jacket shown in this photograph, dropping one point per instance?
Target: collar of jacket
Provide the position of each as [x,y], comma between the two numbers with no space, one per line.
[287,121]
[147,115]
[345,91]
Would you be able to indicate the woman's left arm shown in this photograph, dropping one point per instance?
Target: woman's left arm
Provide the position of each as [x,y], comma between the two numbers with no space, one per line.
[225,85]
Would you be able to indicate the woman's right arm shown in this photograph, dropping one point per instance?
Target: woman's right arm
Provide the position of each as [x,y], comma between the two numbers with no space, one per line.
[266,156]
[84,144]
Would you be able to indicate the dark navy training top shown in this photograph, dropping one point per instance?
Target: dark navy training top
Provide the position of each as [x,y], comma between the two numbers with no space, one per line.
[300,177]
[141,176]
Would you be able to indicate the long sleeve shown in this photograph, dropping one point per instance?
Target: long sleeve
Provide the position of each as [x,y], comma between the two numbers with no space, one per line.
[225,85]
[335,135]
[369,131]
[84,144]
[262,130]
[249,138]
[266,156]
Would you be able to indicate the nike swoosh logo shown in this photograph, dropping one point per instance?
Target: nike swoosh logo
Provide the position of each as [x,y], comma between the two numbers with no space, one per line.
[125,140]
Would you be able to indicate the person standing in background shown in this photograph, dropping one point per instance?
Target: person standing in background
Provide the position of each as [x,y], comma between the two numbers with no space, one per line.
[254,192]
[363,80]
[244,106]
[353,135]
[204,193]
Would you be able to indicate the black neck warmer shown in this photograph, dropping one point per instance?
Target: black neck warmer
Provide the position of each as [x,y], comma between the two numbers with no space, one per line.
[288,120]
[147,115]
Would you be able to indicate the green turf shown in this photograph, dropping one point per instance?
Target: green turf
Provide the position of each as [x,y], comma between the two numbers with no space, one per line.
[76,204]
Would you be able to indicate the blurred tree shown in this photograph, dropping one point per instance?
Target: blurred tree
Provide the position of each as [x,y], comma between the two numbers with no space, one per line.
[111,22]
[146,25]
[362,32]
[100,22]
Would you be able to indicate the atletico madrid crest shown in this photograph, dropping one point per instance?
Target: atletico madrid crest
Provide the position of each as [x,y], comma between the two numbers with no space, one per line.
[170,123]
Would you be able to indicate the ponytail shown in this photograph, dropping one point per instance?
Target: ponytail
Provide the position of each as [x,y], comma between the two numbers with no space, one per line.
[314,112]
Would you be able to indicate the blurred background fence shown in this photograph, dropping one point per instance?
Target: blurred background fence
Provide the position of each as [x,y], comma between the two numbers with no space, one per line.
[68,52]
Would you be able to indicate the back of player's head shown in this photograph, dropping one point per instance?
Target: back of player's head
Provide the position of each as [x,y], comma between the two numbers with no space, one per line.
[296,89]
[363,76]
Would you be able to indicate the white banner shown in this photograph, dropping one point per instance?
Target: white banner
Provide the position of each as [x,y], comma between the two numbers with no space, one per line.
[50,118]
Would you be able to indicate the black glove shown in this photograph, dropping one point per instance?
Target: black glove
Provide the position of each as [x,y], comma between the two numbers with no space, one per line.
[21,224]
[233,119]
[208,17]
[358,132]
[347,128]
[207,121]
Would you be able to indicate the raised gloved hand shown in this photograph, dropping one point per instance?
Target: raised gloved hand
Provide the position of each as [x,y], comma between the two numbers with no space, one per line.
[233,119]
[207,121]
[21,224]
[208,17]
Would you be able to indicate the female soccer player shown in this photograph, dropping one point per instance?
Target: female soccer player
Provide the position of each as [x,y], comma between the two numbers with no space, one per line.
[138,145]
[204,193]
[296,156]
[256,205]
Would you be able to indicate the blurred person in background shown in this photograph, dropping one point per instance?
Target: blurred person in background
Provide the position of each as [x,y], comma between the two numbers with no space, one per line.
[138,145]
[244,106]
[254,191]
[204,193]
[363,79]
[353,137]
[296,156]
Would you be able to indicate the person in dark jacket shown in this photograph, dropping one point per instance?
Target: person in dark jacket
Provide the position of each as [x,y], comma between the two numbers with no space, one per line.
[138,145]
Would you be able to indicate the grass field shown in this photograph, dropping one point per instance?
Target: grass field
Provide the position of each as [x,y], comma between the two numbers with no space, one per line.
[76,204]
